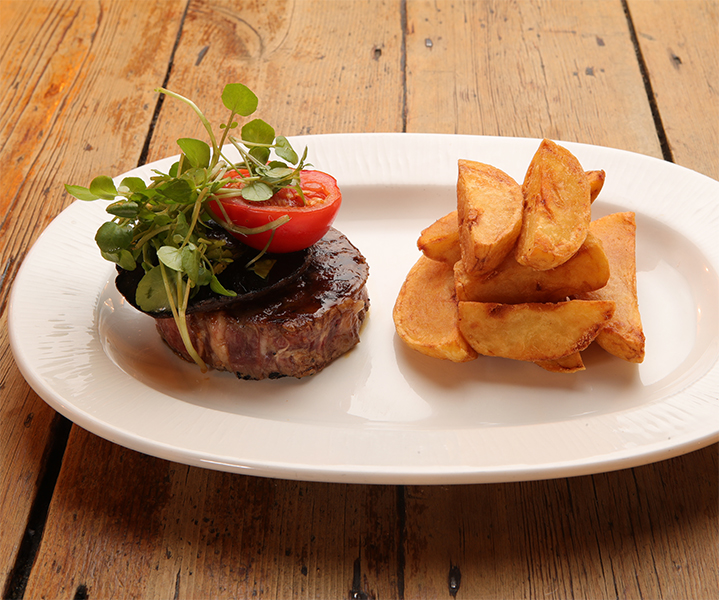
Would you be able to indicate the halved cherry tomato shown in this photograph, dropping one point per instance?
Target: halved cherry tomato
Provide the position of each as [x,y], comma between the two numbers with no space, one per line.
[308,222]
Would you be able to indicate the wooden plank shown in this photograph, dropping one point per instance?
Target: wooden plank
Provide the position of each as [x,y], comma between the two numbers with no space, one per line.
[628,534]
[25,434]
[673,37]
[76,62]
[562,70]
[317,67]
[126,524]
[55,71]
[210,533]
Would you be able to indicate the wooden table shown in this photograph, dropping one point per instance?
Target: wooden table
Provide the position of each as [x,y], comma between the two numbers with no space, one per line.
[81,517]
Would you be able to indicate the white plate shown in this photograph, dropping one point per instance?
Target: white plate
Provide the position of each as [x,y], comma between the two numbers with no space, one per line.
[382,413]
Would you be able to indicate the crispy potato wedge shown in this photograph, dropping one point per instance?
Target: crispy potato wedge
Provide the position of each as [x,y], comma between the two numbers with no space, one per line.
[425,312]
[557,208]
[533,331]
[541,294]
[512,283]
[623,335]
[489,208]
[596,183]
[567,364]
[440,241]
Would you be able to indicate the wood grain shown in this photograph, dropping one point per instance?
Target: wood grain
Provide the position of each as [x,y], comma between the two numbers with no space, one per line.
[323,69]
[672,37]
[526,68]
[65,103]
[569,538]
[77,100]
[125,524]
[25,434]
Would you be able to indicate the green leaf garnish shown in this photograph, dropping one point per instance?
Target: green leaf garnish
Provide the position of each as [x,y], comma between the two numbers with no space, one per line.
[112,237]
[103,187]
[263,267]
[170,257]
[124,208]
[197,152]
[79,192]
[162,224]
[239,99]
[218,288]
[284,150]
[190,262]
[151,294]
[177,190]
[259,136]
[258,132]
[132,184]
[123,258]
[257,191]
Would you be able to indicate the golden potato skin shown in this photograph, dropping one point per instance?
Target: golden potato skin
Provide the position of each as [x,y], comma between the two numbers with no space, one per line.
[440,241]
[623,335]
[596,183]
[425,312]
[533,331]
[557,208]
[489,208]
[563,283]
[567,364]
[512,283]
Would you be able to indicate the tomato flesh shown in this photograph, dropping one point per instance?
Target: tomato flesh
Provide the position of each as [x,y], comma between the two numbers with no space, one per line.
[309,219]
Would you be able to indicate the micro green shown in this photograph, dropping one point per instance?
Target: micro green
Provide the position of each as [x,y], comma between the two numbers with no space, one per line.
[162,226]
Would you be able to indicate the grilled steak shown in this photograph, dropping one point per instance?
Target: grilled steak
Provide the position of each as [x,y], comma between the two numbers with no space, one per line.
[294,332]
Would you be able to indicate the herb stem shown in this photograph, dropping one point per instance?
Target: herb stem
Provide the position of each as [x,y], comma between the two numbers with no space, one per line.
[149,235]
[227,129]
[194,107]
[179,315]
[195,215]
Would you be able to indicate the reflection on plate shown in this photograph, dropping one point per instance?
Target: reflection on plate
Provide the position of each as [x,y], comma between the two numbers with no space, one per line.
[382,413]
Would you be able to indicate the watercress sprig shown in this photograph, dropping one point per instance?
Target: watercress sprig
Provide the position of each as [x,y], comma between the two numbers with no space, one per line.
[162,225]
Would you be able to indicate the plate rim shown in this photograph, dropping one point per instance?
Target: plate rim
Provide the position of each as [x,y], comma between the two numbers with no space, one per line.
[352,473]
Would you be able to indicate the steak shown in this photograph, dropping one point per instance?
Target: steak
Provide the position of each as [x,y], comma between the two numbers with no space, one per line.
[294,332]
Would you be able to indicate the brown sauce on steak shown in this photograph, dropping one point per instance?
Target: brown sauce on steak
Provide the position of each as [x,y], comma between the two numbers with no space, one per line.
[295,332]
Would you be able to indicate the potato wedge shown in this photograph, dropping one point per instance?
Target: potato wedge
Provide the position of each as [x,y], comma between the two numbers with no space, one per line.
[533,331]
[567,364]
[425,312]
[489,208]
[512,283]
[557,208]
[623,335]
[440,241]
[596,183]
